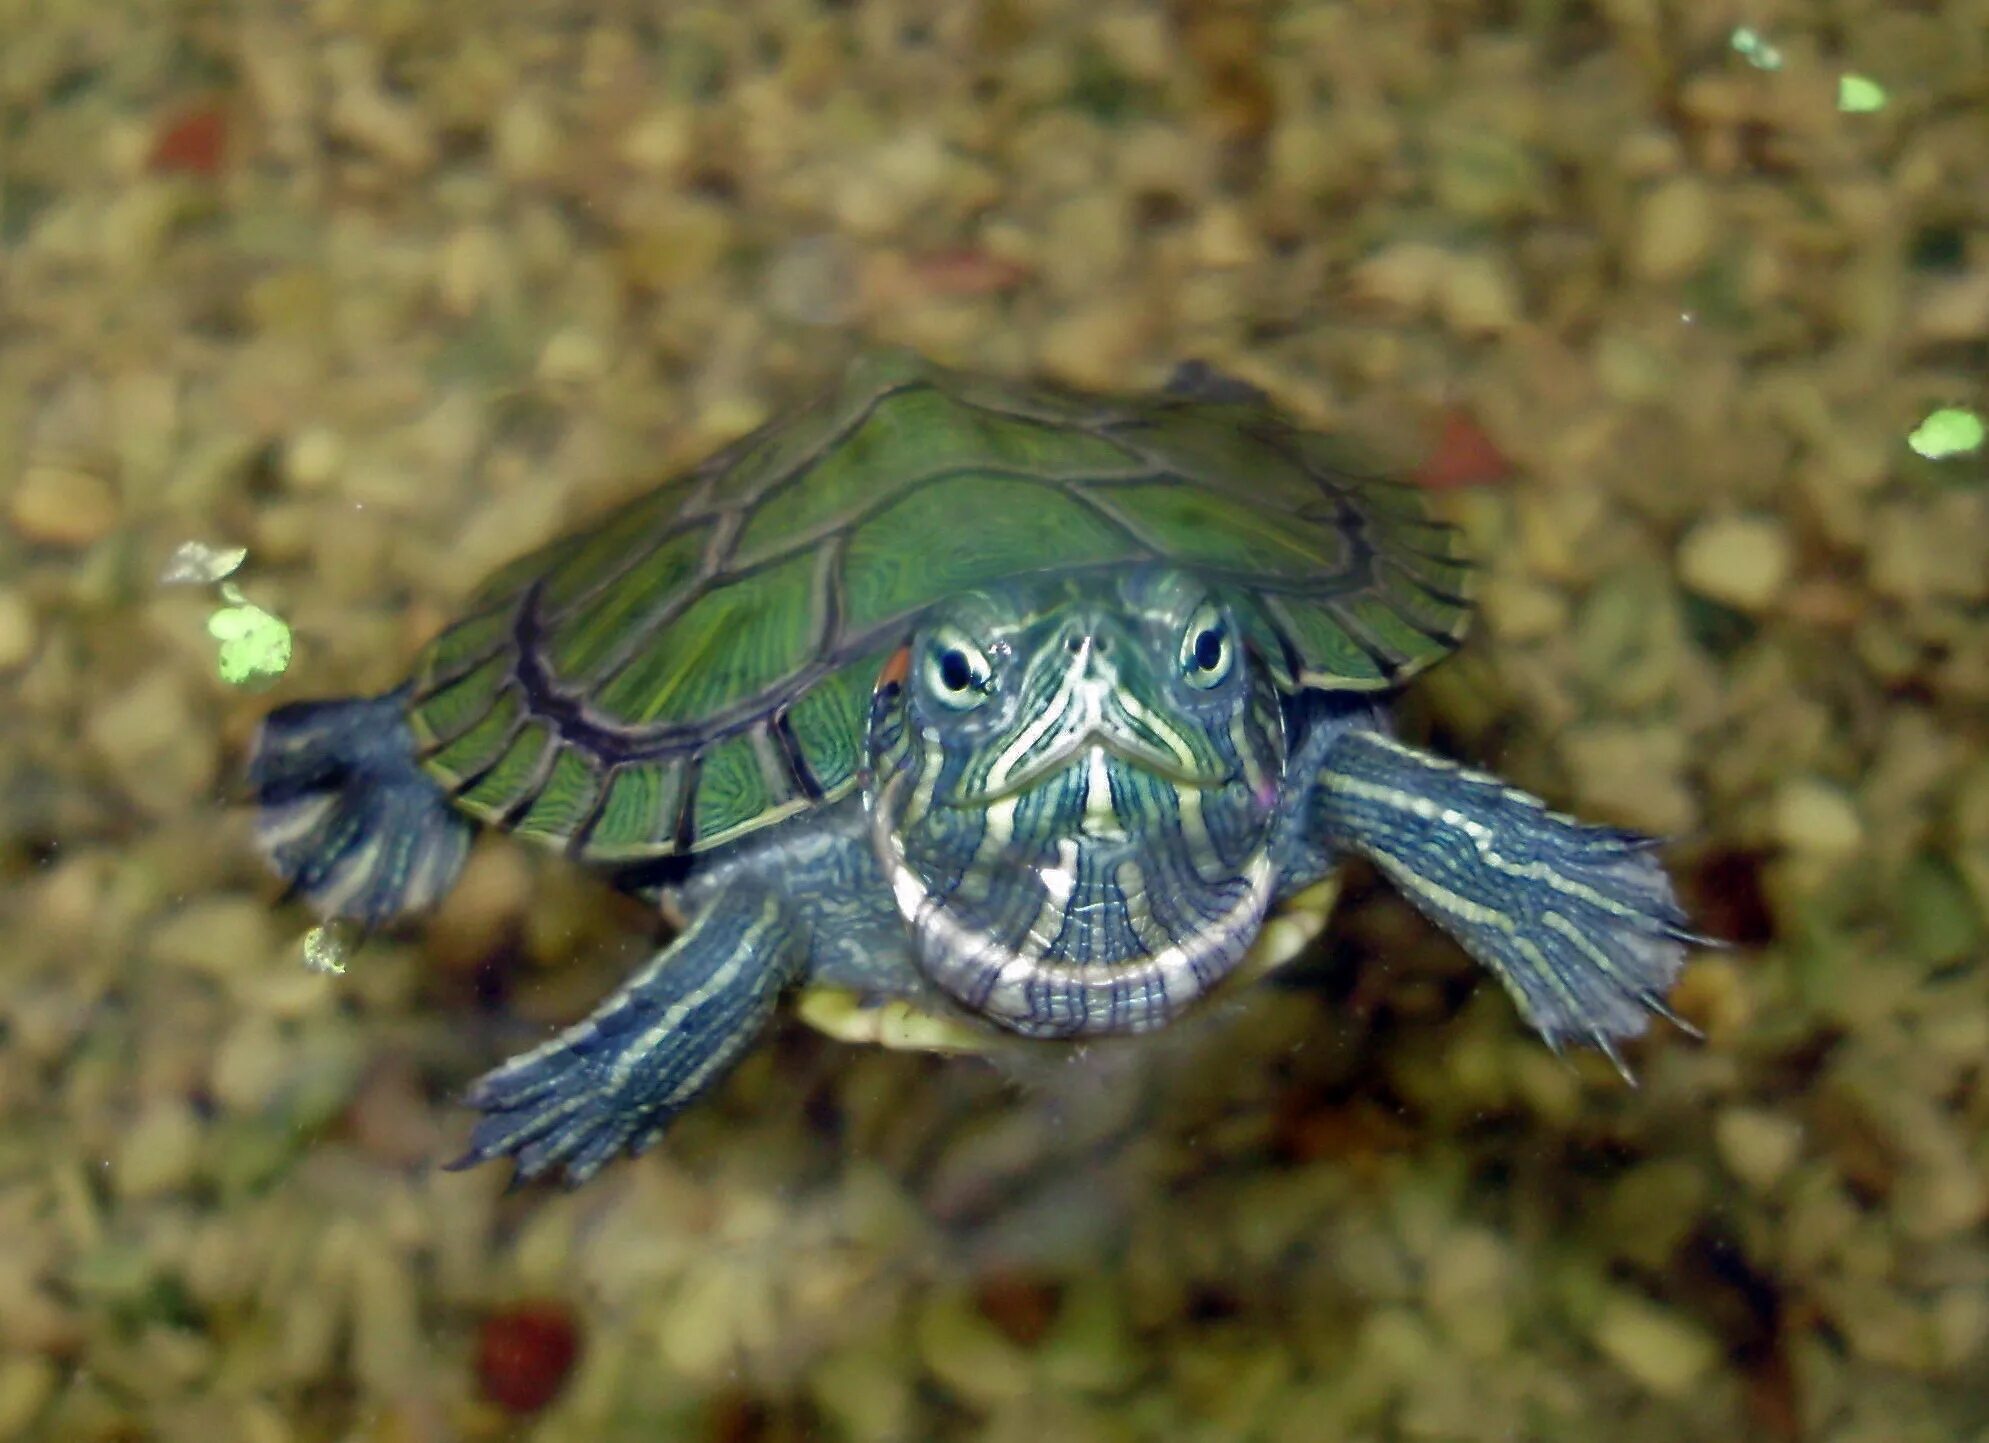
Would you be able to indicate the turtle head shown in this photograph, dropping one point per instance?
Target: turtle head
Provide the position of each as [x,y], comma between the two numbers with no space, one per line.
[1073,784]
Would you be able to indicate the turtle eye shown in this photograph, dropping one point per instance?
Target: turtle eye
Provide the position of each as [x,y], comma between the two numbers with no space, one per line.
[1208,652]
[957,671]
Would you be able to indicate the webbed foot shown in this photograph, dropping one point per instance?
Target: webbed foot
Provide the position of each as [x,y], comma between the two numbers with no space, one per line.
[613,1081]
[1579,922]
[345,814]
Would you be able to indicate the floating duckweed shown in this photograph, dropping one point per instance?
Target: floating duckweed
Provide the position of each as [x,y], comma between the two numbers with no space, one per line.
[1752,47]
[1859,95]
[326,950]
[196,563]
[255,644]
[1950,431]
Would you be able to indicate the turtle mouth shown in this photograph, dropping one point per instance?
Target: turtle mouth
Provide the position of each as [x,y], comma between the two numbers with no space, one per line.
[1080,751]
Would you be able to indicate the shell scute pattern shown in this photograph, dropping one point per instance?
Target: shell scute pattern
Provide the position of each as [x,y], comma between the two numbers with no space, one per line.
[700,663]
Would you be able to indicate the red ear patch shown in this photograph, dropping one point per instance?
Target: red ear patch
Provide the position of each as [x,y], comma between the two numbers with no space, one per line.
[896,669]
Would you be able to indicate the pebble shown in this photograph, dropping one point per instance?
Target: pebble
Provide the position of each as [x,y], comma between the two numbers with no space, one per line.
[1091,1348]
[1632,369]
[1650,1209]
[891,182]
[474,265]
[1714,997]
[160,1152]
[968,1356]
[1629,643]
[1960,1324]
[525,140]
[1405,275]
[386,127]
[312,458]
[1921,550]
[1633,774]
[27,1383]
[217,935]
[137,224]
[1673,231]
[481,909]
[1519,609]
[1087,242]
[155,742]
[573,355]
[1657,1346]
[1742,561]
[17,629]
[1398,1344]
[1757,1145]
[1225,239]
[1094,345]
[678,248]
[525,1353]
[659,141]
[1817,818]
[388,1352]
[864,1390]
[58,505]
[701,1334]
[1468,1289]
[1484,174]
[814,280]
[249,1065]
[1479,296]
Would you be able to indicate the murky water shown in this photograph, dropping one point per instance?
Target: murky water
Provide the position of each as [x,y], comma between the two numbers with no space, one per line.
[384,294]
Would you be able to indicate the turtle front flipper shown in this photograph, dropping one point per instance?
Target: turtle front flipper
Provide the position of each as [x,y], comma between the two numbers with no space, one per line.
[1579,922]
[345,814]
[613,1081]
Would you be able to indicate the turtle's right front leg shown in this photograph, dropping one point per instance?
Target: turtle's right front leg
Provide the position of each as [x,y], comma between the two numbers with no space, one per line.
[1579,922]
[613,1081]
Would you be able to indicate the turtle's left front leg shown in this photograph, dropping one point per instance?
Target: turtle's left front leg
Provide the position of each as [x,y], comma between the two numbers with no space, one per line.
[1579,922]
[612,1082]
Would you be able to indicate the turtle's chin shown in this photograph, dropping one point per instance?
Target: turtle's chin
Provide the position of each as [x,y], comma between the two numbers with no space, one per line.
[1105,897]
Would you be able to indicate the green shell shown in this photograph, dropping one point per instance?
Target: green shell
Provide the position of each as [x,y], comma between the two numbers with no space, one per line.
[700,662]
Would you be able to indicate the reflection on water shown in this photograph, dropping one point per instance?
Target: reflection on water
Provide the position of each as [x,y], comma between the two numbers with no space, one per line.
[386,294]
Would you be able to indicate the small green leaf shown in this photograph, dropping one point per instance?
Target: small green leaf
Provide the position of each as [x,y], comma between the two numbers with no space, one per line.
[325,950]
[255,645]
[1752,47]
[1859,95]
[1950,431]
[196,563]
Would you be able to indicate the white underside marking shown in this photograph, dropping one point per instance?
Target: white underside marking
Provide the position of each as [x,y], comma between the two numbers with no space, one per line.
[355,870]
[958,957]
[998,826]
[1061,880]
[1177,970]
[279,826]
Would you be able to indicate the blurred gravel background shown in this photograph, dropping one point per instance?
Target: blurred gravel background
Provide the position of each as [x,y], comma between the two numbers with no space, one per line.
[386,291]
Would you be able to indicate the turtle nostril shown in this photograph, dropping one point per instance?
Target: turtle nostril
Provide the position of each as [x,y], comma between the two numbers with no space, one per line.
[1074,643]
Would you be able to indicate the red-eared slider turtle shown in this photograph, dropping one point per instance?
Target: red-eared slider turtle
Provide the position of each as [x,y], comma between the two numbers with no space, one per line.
[1019,706]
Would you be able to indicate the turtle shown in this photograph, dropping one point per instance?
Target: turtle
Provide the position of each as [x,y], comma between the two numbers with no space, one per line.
[1016,708]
